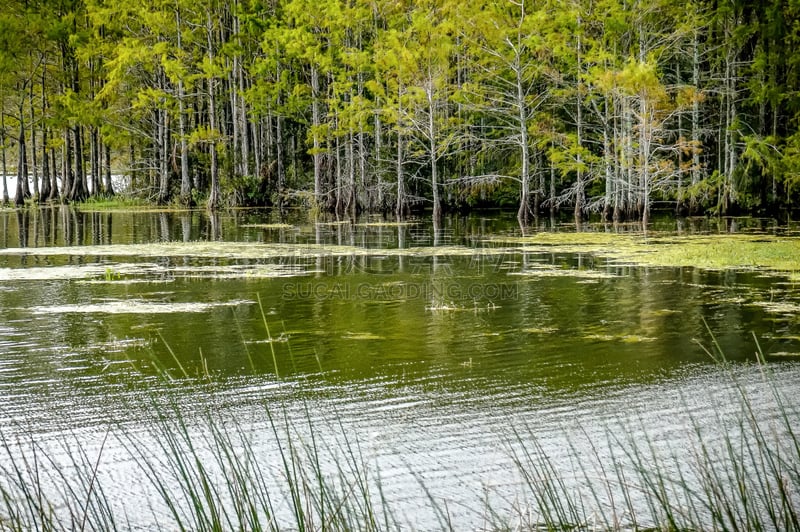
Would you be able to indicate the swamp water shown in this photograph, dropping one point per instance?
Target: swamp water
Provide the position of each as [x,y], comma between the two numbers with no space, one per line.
[441,355]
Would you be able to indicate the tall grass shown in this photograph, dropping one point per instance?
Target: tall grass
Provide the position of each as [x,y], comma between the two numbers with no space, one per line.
[209,473]
[736,474]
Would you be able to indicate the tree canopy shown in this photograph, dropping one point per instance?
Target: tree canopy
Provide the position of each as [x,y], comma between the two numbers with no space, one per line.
[607,106]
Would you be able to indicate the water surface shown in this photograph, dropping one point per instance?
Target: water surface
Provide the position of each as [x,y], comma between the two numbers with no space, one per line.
[429,345]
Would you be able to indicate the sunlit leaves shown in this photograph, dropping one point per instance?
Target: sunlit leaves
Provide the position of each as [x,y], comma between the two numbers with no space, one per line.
[606,91]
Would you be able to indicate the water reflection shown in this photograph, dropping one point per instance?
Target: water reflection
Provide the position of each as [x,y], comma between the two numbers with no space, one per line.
[453,308]
[63,225]
[429,309]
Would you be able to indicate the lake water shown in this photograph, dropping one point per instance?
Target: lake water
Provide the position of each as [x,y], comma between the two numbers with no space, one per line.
[427,347]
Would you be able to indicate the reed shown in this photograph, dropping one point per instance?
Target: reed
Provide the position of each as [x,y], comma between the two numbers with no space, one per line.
[209,473]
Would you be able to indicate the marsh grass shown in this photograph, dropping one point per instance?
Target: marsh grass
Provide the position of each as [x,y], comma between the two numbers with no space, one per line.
[219,483]
[212,471]
[747,478]
[28,472]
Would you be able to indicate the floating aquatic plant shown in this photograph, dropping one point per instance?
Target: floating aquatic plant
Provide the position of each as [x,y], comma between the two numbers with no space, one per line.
[134,306]
[270,226]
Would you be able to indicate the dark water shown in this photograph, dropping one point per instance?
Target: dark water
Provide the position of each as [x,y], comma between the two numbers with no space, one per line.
[427,358]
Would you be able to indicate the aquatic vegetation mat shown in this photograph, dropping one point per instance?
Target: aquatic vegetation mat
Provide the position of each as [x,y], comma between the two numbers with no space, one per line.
[134,306]
[82,271]
[139,272]
[778,307]
[723,251]
[269,226]
[743,252]
[386,224]
[243,250]
[552,271]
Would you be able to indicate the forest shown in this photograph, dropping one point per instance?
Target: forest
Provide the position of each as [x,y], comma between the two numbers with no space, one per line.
[606,107]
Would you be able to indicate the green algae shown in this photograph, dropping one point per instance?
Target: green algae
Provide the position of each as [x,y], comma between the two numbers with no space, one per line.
[135,273]
[550,271]
[442,307]
[269,226]
[540,330]
[51,272]
[134,306]
[712,251]
[361,336]
[386,224]
[624,338]
[244,250]
[122,204]
[777,307]
[784,354]
[84,272]
[727,252]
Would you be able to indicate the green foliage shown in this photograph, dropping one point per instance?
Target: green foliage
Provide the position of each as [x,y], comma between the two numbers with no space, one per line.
[605,88]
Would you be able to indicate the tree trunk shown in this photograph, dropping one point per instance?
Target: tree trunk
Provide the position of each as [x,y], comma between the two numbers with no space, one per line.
[540,184]
[695,122]
[95,155]
[163,155]
[351,174]
[133,172]
[233,97]
[524,199]
[214,195]
[339,209]
[644,157]
[627,134]
[185,198]
[22,166]
[280,168]
[54,192]
[315,124]
[579,186]
[186,181]
[729,158]
[244,125]
[552,195]
[44,193]
[257,128]
[109,186]
[608,163]
[214,199]
[362,173]
[66,164]
[433,149]
[34,154]
[378,145]
[3,154]
[238,88]
[46,179]
[618,165]
[78,191]
[401,192]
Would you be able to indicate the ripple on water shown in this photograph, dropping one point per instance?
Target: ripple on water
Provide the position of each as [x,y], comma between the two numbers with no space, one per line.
[458,443]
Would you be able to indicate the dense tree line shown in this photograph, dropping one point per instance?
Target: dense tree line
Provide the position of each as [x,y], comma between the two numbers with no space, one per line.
[607,106]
